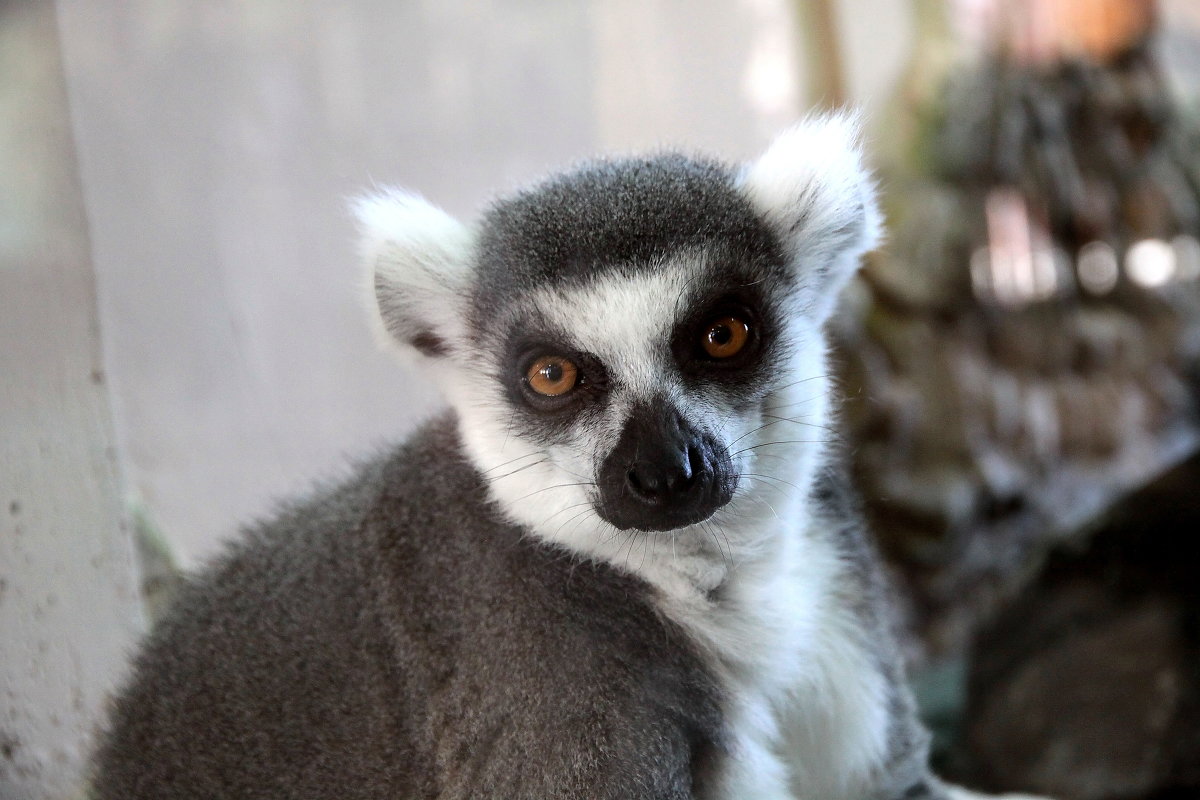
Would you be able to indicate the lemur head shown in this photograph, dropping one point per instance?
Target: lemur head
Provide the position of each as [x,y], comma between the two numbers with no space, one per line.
[635,347]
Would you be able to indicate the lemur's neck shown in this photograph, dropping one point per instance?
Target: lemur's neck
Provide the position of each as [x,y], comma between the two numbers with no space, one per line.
[708,564]
[751,614]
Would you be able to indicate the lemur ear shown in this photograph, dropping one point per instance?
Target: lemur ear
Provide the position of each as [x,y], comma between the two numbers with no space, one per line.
[813,190]
[419,269]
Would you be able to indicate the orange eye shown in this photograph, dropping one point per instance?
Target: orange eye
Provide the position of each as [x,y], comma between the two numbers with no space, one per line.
[552,376]
[725,337]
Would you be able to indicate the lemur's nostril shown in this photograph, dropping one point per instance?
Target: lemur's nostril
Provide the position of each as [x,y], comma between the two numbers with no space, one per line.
[653,481]
[634,480]
[695,460]
[669,475]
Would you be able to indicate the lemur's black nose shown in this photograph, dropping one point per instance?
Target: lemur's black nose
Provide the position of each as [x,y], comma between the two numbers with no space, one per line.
[663,473]
[656,477]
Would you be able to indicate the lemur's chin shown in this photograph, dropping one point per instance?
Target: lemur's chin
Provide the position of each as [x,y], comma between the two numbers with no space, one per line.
[655,525]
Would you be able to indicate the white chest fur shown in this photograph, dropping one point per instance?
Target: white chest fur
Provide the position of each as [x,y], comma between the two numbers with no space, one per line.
[806,705]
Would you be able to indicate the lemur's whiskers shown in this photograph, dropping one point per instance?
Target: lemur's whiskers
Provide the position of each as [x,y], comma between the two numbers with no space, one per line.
[717,535]
[508,429]
[778,389]
[752,431]
[571,519]
[780,442]
[646,550]
[771,478]
[496,478]
[631,538]
[565,509]
[510,461]
[802,422]
[556,486]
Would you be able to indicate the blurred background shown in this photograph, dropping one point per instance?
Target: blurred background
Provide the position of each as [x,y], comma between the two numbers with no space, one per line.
[182,341]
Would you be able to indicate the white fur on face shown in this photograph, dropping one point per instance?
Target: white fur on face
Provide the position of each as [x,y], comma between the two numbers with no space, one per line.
[627,320]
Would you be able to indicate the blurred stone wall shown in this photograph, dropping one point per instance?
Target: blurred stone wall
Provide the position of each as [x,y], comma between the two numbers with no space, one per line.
[1087,688]
[1024,350]
[1022,356]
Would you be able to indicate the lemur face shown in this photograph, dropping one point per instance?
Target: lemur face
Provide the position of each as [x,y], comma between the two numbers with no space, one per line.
[631,313]
[634,347]
[638,381]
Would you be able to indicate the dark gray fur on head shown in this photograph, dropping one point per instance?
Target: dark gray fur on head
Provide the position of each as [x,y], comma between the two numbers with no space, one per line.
[618,214]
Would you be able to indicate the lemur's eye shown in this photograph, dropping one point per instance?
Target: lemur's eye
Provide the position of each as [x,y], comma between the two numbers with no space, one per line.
[552,376]
[725,337]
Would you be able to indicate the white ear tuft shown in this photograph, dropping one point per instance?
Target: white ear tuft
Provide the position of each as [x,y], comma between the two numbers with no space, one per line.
[419,270]
[813,190]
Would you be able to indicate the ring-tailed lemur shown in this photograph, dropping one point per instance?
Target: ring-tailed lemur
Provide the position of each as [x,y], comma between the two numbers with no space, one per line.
[621,566]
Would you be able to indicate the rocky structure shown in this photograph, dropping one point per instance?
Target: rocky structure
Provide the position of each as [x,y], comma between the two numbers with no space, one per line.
[1022,352]
[1023,355]
[1088,687]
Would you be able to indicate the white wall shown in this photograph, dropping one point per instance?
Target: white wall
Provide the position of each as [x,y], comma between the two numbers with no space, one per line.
[69,605]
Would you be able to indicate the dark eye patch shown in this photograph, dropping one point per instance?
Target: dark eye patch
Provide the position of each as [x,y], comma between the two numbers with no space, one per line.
[588,377]
[549,417]
[699,341]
